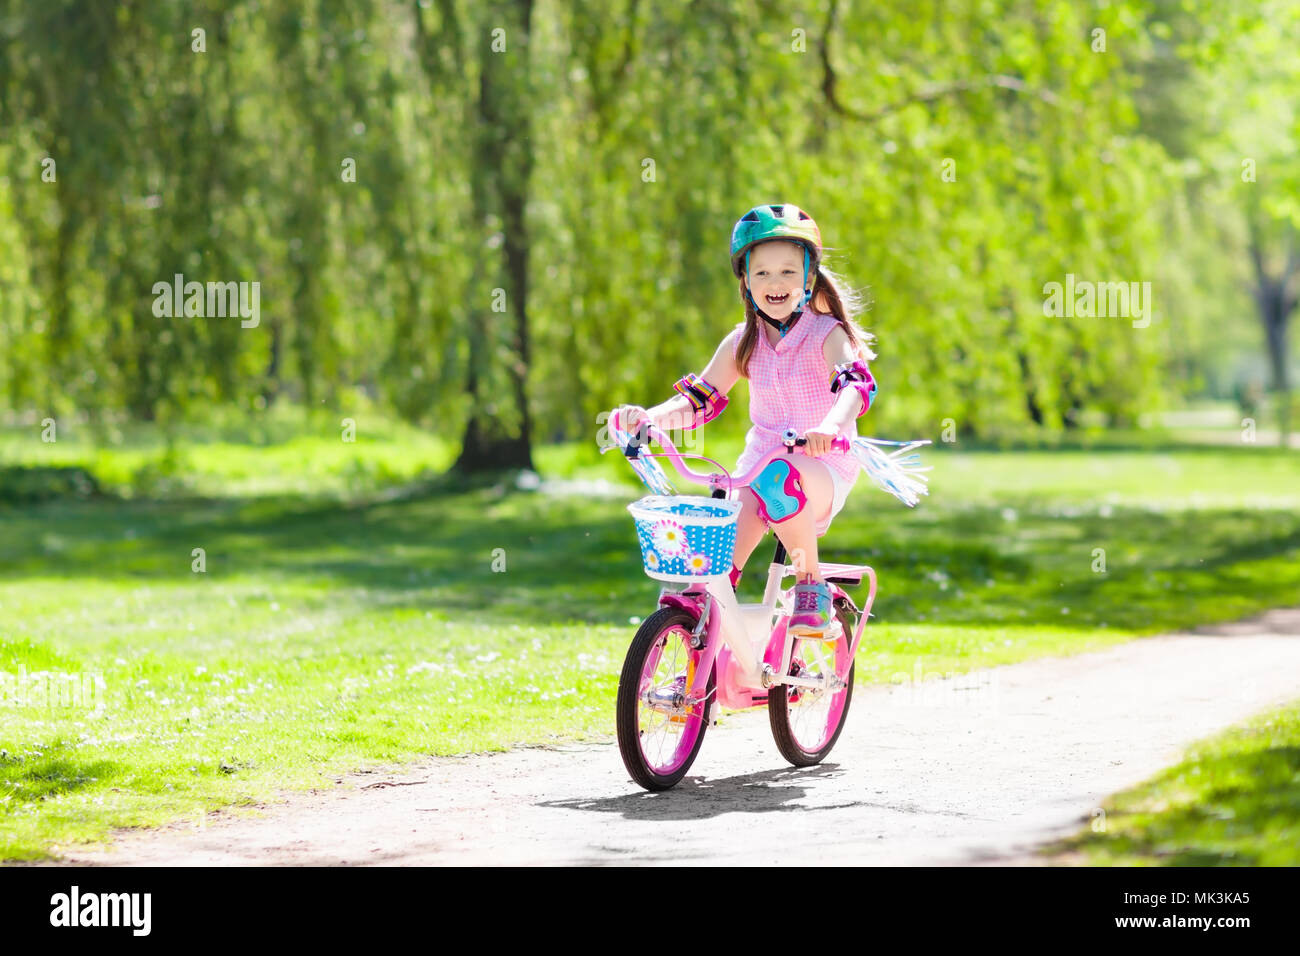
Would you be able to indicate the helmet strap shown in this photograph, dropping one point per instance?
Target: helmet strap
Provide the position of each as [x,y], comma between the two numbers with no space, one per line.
[807,292]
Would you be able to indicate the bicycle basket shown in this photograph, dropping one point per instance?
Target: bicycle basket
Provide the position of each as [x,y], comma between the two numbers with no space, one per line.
[686,538]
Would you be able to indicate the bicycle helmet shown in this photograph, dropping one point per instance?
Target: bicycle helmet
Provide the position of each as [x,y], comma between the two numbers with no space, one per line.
[776,221]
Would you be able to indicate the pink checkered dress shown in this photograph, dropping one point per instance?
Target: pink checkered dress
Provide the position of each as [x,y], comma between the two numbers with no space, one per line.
[789,387]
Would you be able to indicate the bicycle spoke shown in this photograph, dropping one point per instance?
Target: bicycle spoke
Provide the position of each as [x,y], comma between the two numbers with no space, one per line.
[806,720]
[660,735]
[810,715]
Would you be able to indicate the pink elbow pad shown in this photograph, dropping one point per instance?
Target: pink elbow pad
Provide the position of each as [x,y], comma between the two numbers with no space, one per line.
[857,376]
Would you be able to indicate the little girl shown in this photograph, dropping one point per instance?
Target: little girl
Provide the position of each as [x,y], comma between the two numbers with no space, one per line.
[806,365]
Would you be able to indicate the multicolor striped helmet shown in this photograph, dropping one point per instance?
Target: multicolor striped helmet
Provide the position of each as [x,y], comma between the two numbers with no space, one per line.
[776,221]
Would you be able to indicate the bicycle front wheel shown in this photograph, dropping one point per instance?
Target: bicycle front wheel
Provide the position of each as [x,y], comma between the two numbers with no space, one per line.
[807,722]
[659,729]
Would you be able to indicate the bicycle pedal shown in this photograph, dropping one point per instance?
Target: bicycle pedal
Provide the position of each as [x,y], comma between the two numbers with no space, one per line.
[826,636]
[833,632]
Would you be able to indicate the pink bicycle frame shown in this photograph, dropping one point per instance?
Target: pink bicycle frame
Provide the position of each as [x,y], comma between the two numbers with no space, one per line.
[732,633]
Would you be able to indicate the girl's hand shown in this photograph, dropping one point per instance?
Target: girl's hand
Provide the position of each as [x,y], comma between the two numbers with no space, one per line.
[819,440]
[631,416]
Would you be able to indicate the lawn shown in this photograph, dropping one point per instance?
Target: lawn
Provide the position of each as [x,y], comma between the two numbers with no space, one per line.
[349,608]
[1234,800]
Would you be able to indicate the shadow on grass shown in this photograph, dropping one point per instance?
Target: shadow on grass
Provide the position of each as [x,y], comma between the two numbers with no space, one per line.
[24,484]
[480,546]
[25,778]
[1227,823]
[1110,441]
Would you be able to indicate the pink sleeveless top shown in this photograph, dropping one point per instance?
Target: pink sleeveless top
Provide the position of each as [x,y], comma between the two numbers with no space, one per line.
[790,387]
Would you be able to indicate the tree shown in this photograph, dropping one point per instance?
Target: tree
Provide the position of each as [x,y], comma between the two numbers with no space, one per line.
[499,430]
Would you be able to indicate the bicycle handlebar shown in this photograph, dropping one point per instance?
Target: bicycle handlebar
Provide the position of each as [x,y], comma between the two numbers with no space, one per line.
[641,438]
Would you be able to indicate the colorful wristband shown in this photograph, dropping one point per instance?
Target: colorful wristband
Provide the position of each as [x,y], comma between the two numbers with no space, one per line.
[706,401]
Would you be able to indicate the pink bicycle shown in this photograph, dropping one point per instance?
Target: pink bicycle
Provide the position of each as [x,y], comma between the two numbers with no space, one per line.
[702,649]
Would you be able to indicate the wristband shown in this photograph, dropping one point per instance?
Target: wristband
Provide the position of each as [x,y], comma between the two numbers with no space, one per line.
[706,401]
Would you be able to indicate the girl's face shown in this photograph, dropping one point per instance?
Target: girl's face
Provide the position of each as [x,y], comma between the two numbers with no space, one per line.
[776,276]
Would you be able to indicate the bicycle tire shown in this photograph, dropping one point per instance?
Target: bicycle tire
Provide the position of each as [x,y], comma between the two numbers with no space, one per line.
[641,737]
[813,740]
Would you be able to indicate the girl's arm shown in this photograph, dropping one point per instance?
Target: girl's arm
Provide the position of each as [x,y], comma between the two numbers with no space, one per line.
[676,412]
[838,350]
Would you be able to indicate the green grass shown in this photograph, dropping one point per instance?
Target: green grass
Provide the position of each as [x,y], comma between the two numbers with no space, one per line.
[341,624]
[286,452]
[1233,801]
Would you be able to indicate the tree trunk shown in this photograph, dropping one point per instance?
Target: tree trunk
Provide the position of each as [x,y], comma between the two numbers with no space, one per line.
[271,377]
[500,179]
[1276,299]
[1031,392]
[1275,320]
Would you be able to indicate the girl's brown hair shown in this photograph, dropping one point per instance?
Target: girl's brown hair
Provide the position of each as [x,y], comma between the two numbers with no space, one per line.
[830,296]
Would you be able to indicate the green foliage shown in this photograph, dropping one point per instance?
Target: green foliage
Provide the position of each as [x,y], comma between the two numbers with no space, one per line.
[958,156]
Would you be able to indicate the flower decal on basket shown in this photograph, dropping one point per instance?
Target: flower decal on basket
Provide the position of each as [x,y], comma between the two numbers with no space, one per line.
[669,537]
[652,560]
[698,564]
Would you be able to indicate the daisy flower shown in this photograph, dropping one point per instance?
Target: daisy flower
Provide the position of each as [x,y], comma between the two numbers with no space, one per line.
[670,537]
[698,564]
[652,560]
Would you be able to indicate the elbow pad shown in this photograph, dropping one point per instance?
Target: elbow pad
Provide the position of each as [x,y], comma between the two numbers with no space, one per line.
[706,401]
[855,375]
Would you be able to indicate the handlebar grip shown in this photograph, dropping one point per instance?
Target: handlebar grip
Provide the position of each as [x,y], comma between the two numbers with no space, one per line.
[839,443]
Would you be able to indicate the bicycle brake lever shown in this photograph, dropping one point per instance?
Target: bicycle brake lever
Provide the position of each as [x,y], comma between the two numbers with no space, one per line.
[638,440]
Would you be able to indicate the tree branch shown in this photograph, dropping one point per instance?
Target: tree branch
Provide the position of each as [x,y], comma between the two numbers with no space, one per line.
[924,95]
[605,87]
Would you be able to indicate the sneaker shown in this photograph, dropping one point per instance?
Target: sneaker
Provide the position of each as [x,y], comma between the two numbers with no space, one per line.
[812,608]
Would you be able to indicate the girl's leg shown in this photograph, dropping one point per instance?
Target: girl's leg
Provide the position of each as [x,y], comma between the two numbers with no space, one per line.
[750,528]
[799,534]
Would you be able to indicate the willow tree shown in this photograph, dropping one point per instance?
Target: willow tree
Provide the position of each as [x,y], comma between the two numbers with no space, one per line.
[498,433]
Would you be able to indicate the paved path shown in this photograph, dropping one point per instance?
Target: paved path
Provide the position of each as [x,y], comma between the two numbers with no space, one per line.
[977,769]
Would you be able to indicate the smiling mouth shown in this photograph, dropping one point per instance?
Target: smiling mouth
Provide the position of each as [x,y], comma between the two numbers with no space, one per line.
[777,299]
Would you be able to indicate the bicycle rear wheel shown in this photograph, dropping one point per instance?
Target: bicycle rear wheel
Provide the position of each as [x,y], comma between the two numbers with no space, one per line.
[806,722]
[659,730]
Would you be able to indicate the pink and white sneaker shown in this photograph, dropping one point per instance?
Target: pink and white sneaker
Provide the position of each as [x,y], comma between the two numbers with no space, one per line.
[812,609]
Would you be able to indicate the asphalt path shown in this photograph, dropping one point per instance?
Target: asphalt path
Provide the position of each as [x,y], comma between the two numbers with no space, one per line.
[978,769]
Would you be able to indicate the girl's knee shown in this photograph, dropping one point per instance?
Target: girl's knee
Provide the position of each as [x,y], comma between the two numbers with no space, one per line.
[816,478]
[818,489]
